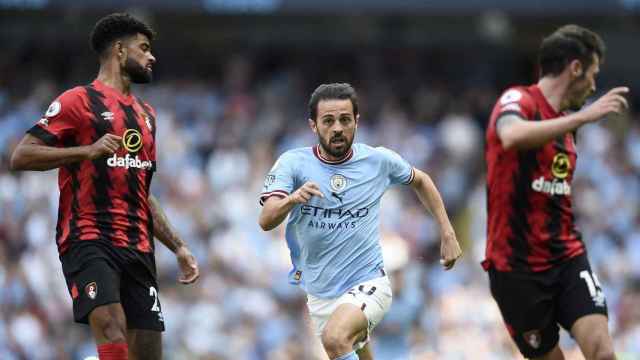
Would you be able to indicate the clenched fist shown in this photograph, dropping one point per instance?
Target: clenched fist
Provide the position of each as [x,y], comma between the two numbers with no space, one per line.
[449,249]
[106,145]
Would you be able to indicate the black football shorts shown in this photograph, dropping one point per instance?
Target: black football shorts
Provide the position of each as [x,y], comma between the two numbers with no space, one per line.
[98,273]
[534,304]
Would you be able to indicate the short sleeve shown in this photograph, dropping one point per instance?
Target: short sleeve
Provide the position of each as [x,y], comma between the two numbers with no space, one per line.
[60,120]
[399,170]
[280,179]
[516,101]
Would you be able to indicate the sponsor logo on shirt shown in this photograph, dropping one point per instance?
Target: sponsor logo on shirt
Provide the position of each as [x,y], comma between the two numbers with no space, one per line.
[339,214]
[560,168]
[553,187]
[325,218]
[132,140]
[129,161]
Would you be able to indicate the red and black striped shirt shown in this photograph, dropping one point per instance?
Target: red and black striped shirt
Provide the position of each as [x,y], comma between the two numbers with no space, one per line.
[107,198]
[531,225]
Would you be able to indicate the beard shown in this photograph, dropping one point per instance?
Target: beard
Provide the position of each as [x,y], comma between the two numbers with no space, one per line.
[578,95]
[137,73]
[336,150]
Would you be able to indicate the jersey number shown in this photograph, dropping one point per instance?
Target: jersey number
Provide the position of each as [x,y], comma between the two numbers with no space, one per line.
[592,282]
[153,292]
[369,292]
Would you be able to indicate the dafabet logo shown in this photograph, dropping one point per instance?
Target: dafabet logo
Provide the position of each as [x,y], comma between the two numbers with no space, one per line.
[132,142]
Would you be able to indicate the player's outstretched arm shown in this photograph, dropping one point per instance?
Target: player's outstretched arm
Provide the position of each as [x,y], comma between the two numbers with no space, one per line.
[163,231]
[430,197]
[275,209]
[520,134]
[33,154]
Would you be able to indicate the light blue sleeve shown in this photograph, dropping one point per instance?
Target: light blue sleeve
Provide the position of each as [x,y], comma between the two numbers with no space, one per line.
[280,180]
[399,170]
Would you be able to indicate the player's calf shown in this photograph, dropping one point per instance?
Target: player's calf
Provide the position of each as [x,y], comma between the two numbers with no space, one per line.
[144,344]
[109,328]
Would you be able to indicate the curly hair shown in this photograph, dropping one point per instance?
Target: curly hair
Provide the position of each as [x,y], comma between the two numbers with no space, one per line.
[117,26]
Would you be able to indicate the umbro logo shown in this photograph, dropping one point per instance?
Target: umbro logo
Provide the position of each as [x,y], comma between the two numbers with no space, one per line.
[107,116]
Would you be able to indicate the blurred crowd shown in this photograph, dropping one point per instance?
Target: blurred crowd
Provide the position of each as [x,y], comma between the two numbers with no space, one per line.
[217,140]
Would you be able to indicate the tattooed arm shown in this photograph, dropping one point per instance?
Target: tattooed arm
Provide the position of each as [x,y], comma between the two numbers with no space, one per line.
[163,231]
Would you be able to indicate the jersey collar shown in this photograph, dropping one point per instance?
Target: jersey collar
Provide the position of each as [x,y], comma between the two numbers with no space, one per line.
[345,158]
[100,86]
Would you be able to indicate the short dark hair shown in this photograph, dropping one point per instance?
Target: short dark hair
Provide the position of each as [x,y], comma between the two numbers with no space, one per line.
[117,26]
[568,43]
[335,91]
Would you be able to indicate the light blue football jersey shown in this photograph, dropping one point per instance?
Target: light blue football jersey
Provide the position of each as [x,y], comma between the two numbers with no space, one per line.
[334,241]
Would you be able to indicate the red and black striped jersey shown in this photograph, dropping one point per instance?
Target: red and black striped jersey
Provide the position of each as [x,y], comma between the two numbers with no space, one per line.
[531,225]
[106,198]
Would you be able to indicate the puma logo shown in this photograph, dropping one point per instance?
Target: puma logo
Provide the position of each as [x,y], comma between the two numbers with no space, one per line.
[337,196]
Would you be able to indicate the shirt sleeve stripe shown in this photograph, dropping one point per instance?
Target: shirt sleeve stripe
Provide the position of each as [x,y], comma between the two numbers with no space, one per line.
[509,112]
[278,193]
[413,175]
[43,135]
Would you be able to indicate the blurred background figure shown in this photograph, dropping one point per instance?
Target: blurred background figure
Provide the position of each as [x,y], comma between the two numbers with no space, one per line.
[230,89]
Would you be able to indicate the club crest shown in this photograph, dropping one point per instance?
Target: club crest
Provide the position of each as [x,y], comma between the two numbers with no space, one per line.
[91,289]
[338,183]
[533,338]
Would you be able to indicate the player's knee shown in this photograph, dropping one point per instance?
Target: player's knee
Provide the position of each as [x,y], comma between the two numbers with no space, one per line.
[335,343]
[109,327]
[604,354]
[610,355]
[603,349]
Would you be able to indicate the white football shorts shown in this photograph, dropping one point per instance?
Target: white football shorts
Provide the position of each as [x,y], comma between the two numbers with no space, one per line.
[373,297]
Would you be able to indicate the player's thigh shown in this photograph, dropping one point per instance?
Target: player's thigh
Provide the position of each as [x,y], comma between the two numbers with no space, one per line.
[140,298]
[144,344]
[527,306]
[591,332]
[347,323]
